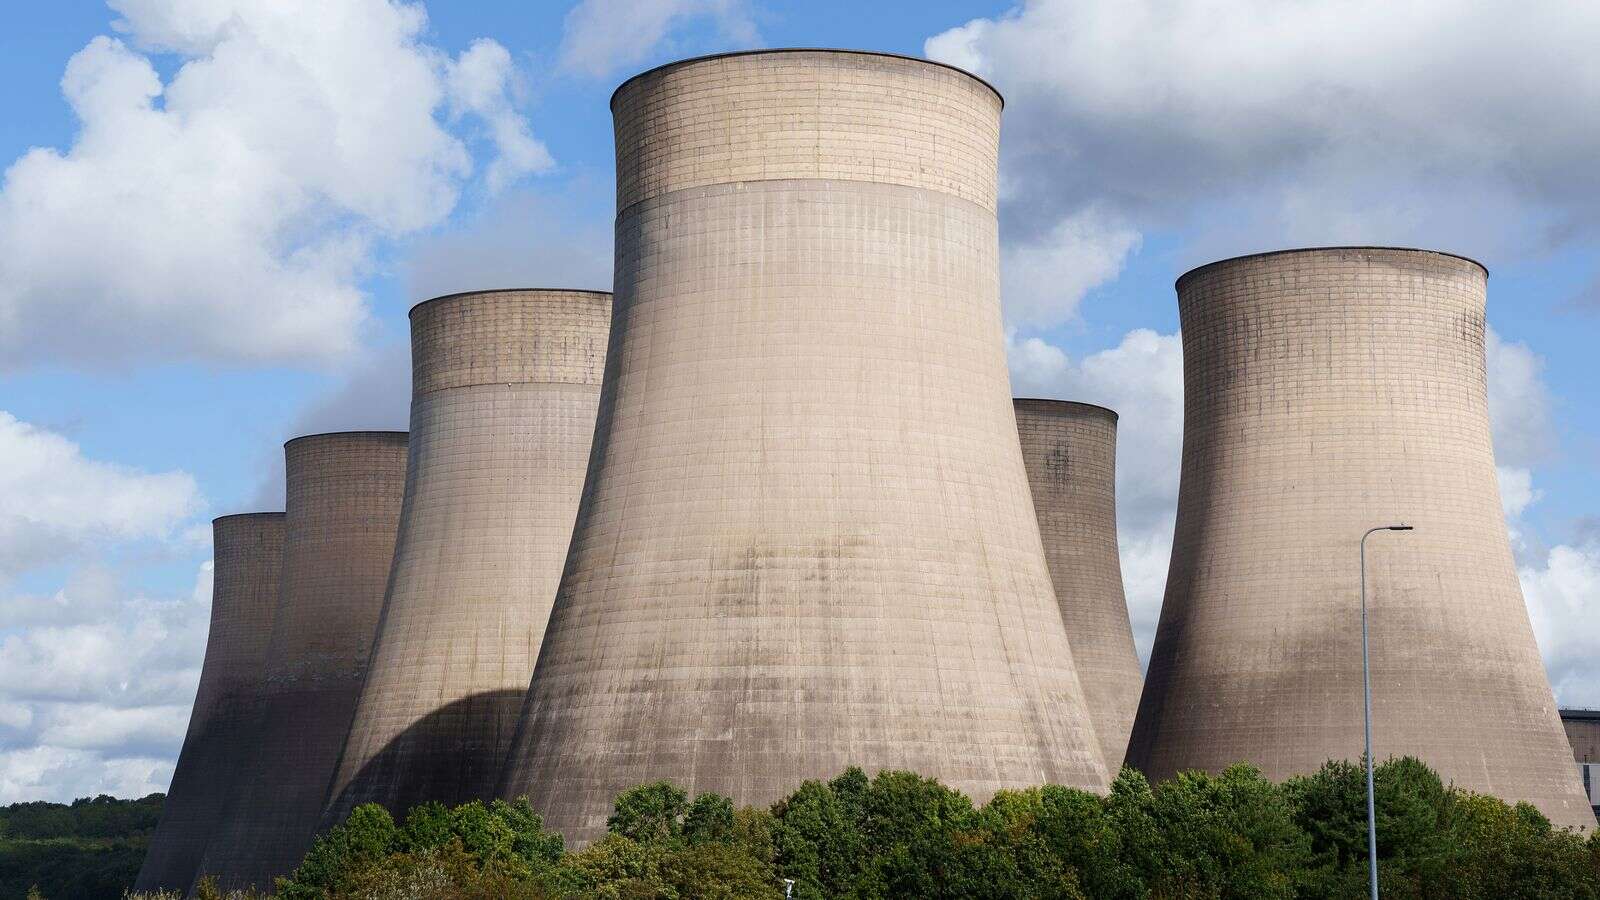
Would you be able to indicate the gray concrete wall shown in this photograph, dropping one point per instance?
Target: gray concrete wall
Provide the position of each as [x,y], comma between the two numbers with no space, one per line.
[502,416]
[806,539]
[1326,392]
[247,553]
[342,510]
[1070,451]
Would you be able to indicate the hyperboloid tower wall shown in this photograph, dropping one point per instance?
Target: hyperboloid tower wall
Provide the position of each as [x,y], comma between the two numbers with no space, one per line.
[247,553]
[1327,392]
[806,539]
[504,388]
[342,509]
[1070,450]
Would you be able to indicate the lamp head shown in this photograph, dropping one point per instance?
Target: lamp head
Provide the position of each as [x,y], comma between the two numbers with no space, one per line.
[1400,528]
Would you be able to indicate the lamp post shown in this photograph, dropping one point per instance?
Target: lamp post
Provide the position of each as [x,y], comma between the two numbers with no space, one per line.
[1366,686]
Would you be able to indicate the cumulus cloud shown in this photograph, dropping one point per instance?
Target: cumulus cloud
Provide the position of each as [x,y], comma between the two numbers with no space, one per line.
[602,36]
[480,83]
[96,686]
[1272,123]
[1043,280]
[54,500]
[1561,593]
[1519,403]
[227,213]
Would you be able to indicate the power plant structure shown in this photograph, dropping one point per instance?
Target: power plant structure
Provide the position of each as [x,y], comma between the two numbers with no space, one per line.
[343,493]
[504,389]
[1583,733]
[1327,392]
[1070,452]
[247,554]
[806,539]
[772,512]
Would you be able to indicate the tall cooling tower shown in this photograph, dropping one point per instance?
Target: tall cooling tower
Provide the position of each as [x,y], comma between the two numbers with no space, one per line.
[504,388]
[1070,450]
[247,551]
[1326,392]
[806,539]
[342,509]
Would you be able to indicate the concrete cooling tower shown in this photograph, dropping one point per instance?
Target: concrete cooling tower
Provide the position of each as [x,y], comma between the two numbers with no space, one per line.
[247,552]
[504,388]
[806,539]
[1327,392]
[342,509]
[1070,450]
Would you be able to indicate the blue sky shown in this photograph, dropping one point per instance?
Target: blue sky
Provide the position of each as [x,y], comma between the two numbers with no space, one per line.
[216,216]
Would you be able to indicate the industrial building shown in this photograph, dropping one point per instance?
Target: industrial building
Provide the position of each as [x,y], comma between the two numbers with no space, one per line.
[247,559]
[806,540]
[1327,392]
[343,493]
[1583,733]
[504,388]
[1070,451]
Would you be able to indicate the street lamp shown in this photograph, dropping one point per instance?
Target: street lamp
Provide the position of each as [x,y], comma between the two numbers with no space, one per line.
[1366,685]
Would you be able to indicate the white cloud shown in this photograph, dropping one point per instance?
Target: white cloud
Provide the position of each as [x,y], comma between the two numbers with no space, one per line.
[479,83]
[1519,403]
[1044,280]
[1561,593]
[602,36]
[1260,124]
[53,499]
[59,774]
[95,689]
[228,212]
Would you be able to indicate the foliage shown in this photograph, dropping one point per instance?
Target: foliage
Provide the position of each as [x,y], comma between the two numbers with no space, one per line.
[97,817]
[90,848]
[1228,836]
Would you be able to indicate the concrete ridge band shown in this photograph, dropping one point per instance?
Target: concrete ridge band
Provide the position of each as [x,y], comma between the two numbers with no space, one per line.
[734,187]
[324,434]
[516,290]
[845,51]
[1178,284]
[1074,404]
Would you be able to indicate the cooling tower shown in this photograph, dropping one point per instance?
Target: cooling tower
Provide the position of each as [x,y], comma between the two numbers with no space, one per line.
[342,509]
[806,539]
[1327,392]
[1070,451]
[247,552]
[504,387]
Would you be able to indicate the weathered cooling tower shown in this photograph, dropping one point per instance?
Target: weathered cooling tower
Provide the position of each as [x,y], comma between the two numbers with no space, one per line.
[247,553]
[1328,392]
[1070,450]
[806,539]
[504,387]
[342,509]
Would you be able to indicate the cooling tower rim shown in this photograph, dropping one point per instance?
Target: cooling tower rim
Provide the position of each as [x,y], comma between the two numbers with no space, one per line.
[248,515]
[1233,259]
[1578,714]
[775,50]
[513,290]
[1076,404]
[327,434]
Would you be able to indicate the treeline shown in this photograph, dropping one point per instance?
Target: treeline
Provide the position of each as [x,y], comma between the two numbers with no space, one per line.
[1234,835]
[89,849]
